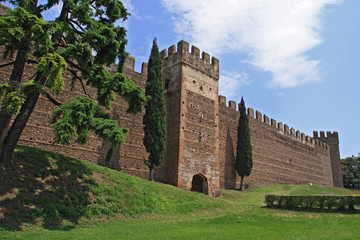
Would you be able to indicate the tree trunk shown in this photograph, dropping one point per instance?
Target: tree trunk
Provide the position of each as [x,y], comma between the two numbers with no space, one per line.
[242,183]
[151,174]
[14,81]
[19,124]
[4,126]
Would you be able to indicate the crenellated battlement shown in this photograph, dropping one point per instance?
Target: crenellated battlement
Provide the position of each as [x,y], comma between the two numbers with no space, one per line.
[282,128]
[330,137]
[174,55]
[130,66]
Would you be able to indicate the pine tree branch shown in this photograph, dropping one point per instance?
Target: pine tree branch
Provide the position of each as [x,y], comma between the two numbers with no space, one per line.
[33,75]
[72,64]
[51,99]
[81,82]
[32,61]
[78,25]
[7,64]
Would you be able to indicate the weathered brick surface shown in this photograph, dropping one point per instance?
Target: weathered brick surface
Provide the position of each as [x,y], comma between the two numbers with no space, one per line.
[279,155]
[202,132]
[332,139]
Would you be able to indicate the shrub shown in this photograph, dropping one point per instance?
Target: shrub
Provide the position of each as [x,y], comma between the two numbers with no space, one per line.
[313,201]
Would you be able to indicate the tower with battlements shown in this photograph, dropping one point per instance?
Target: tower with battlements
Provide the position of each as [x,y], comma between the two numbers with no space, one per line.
[332,139]
[191,90]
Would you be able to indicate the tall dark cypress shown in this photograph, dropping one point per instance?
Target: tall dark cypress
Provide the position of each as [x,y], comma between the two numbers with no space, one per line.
[243,162]
[155,116]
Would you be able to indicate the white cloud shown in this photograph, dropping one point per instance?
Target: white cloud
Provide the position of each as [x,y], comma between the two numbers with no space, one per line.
[230,82]
[130,8]
[276,34]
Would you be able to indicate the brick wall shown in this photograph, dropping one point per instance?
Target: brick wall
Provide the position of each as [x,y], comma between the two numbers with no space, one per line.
[202,132]
[280,154]
[332,139]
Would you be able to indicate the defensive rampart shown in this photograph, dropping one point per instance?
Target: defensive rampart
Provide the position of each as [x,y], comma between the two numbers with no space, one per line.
[202,132]
[38,133]
[280,154]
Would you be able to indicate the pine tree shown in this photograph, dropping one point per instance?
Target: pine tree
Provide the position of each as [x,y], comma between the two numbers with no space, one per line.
[155,116]
[243,162]
[82,40]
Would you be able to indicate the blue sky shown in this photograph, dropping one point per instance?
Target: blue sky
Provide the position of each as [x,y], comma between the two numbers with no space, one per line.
[297,61]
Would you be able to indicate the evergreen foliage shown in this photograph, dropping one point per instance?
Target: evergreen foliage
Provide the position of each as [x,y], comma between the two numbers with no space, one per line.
[155,115]
[351,172]
[82,40]
[243,162]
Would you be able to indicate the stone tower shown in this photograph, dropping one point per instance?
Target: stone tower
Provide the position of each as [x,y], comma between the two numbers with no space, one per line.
[332,139]
[191,90]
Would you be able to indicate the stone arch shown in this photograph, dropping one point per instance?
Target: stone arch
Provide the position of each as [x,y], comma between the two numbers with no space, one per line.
[199,184]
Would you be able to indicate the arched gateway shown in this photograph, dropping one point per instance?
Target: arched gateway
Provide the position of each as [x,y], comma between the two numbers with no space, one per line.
[199,184]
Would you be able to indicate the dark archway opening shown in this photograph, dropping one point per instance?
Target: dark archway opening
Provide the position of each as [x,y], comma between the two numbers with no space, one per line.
[199,184]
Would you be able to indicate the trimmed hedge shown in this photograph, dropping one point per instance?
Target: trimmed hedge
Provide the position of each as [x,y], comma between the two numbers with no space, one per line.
[313,201]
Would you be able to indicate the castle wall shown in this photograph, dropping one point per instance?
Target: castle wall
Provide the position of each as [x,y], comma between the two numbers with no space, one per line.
[332,139]
[280,154]
[39,133]
[202,132]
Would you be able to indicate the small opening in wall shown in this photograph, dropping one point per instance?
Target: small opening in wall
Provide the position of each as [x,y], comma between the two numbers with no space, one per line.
[194,82]
[201,88]
[182,114]
[183,102]
[183,128]
[210,89]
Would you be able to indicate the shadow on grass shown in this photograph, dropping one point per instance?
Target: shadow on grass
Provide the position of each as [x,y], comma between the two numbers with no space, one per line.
[43,185]
[317,210]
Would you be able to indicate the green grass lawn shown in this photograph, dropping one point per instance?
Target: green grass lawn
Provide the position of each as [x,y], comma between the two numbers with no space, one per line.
[55,197]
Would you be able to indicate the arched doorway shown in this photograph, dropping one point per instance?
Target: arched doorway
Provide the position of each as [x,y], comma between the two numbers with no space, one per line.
[199,184]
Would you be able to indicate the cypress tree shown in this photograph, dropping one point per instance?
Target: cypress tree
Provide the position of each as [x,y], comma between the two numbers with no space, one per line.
[155,116]
[243,162]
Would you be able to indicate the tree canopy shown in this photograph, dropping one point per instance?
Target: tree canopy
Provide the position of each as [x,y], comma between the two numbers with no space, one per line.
[83,40]
[351,172]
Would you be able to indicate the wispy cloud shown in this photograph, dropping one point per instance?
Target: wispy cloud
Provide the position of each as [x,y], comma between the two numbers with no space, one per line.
[131,9]
[276,34]
[230,82]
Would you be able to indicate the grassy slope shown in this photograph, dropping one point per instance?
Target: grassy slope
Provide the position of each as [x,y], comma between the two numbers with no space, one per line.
[69,198]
